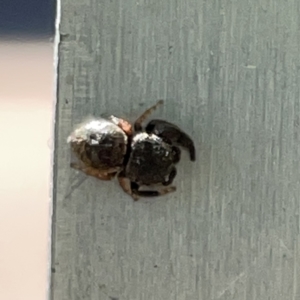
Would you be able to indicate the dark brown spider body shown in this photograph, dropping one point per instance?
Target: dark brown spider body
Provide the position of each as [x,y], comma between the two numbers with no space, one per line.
[151,160]
[145,158]
[100,145]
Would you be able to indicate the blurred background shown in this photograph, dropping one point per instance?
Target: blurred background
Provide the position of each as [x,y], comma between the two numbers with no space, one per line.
[26,113]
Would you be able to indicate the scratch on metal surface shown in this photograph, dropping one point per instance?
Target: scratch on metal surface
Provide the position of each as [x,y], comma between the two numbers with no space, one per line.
[232,283]
[284,246]
[242,274]
[250,67]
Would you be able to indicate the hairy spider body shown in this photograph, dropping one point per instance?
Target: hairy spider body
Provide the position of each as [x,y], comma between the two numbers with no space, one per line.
[143,158]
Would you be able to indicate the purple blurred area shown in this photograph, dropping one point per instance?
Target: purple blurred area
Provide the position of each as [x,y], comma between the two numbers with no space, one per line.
[26,112]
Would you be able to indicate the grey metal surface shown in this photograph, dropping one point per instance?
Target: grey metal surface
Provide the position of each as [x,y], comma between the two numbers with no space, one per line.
[229,72]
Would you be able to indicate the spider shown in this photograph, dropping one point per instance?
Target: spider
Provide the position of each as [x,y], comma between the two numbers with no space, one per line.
[140,157]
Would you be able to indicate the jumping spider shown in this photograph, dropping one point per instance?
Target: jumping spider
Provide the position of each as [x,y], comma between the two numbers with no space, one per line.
[141,157]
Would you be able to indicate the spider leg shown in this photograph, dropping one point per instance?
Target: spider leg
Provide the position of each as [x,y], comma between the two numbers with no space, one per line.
[123,124]
[171,132]
[132,188]
[99,174]
[155,193]
[126,186]
[172,175]
[145,115]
